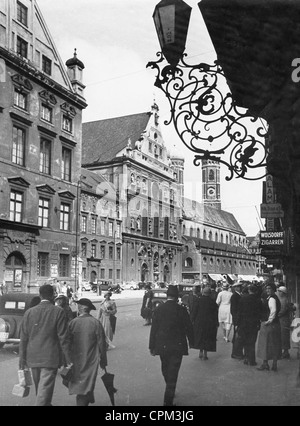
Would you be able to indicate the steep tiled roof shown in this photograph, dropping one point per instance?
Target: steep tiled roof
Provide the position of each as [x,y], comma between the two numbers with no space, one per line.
[193,210]
[102,140]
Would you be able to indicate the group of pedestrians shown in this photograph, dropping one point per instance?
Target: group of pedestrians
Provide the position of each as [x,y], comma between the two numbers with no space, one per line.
[50,340]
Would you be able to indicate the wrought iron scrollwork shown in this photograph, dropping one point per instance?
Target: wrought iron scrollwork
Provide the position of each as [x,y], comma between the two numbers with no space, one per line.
[208,121]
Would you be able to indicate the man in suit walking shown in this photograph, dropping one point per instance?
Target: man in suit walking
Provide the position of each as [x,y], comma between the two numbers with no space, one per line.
[44,334]
[170,330]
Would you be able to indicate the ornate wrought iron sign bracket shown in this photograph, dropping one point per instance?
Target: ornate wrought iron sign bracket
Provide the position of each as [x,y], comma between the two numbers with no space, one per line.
[208,121]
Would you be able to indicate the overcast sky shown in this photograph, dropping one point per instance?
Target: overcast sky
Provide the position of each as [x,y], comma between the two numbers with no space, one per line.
[116,39]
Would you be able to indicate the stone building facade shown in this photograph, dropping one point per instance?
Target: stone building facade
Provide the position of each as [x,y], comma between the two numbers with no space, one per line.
[41,103]
[131,154]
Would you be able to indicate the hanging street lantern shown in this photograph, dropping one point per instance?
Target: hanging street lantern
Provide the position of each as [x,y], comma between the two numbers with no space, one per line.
[171,19]
[206,119]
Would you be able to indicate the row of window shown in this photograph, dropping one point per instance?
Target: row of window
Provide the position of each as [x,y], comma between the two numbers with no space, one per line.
[21,100]
[188,263]
[16,211]
[103,275]
[103,226]
[44,267]
[209,236]
[19,149]
[113,253]
[22,45]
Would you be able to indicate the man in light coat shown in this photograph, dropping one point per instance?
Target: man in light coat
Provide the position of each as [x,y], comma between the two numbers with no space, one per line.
[44,335]
[88,346]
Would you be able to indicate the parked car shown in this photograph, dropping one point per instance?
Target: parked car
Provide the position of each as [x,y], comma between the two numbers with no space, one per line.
[12,309]
[130,286]
[86,286]
[159,297]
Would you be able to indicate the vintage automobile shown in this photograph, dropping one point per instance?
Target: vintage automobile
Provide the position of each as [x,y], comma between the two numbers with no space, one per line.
[12,309]
[86,286]
[159,297]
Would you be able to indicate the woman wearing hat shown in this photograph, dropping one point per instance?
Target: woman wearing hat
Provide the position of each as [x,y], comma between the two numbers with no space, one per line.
[225,317]
[285,321]
[107,310]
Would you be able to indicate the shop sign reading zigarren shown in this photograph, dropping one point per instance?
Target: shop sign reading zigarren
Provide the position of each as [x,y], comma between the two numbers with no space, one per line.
[271,239]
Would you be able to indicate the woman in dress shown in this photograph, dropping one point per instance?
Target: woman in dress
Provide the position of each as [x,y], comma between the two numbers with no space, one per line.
[285,321]
[107,310]
[225,318]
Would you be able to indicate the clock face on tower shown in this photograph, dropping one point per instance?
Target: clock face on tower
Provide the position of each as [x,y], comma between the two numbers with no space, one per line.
[211,192]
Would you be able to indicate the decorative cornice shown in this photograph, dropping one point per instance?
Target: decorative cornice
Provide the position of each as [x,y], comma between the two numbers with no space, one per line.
[67,141]
[20,118]
[47,131]
[22,82]
[48,97]
[67,194]
[40,78]
[68,109]
[19,181]
[45,189]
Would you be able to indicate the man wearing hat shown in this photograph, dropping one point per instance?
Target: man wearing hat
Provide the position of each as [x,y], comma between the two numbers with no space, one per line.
[88,347]
[62,301]
[170,330]
[237,347]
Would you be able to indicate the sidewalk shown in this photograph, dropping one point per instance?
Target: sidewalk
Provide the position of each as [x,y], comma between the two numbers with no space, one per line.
[125,294]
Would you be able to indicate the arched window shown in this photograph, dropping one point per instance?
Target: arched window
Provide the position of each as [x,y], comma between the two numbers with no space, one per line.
[198,232]
[227,239]
[216,237]
[210,236]
[204,235]
[166,228]
[188,262]
[222,238]
[191,232]
[183,230]
[204,261]
[211,175]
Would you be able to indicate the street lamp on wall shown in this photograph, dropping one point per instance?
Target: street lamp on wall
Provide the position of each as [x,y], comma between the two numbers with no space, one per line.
[206,119]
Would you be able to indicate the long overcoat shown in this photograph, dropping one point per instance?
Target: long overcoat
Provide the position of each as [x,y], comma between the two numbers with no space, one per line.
[88,348]
[205,322]
[170,330]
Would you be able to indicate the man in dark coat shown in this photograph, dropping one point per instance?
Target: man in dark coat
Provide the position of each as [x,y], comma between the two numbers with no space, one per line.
[248,322]
[205,321]
[237,348]
[171,327]
[88,343]
[44,334]
[146,309]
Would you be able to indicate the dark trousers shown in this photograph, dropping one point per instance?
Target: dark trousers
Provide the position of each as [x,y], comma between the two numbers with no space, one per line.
[44,380]
[249,340]
[170,365]
[237,344]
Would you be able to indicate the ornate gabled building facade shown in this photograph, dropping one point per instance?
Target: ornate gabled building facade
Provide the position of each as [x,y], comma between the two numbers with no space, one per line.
[148,185]
[41,103]
[100,230]
[215,245]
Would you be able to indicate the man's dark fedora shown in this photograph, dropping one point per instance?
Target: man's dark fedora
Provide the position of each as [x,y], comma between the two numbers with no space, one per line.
[173,291]
[86,302]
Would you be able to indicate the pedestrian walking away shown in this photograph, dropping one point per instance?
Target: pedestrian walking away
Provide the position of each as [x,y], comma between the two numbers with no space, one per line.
[171,330]
[248,323]
[237,347]
[269,339]
[146,309]
[204,318]
[88,349]
[107,310]
[44,335]
[224,315]
[62,301]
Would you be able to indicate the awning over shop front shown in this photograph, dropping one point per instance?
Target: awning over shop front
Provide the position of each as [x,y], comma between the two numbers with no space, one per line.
[216,277]
[232,277]
[248,278]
